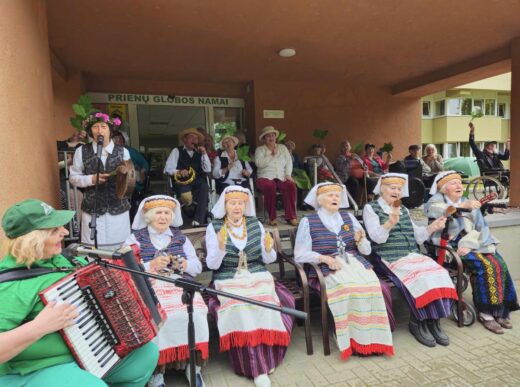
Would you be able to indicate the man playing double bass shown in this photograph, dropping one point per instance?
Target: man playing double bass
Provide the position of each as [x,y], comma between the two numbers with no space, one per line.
[187,164]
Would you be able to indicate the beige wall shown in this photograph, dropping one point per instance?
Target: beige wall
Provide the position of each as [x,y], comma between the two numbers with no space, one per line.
[66,93]
[359,114]
[28,156]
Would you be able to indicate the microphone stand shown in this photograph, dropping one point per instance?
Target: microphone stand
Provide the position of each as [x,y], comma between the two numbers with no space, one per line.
[189,288]
[93,221]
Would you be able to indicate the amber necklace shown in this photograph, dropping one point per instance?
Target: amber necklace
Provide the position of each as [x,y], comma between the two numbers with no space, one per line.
[229,228]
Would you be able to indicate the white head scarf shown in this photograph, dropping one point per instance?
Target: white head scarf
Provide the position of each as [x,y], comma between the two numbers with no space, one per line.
[442,175]
[219,210]
[404,191]
[139,221]
[312,197]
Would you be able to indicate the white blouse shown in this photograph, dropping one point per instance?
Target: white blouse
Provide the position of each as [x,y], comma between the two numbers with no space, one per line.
[77,175]
[235,172]
[273,167]
[215,255]
[333,222]
[161,240]
[376,231]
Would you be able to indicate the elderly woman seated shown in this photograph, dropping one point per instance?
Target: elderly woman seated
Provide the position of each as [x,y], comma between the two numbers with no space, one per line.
[334,239]
[426,286]
[238,251]
[494,292]
[165,250]
[274,170]
[228,169]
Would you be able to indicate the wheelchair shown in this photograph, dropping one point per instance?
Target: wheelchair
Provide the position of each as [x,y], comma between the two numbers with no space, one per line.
[492,181]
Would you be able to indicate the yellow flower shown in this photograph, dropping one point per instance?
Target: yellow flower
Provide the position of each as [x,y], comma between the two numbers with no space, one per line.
[346,227]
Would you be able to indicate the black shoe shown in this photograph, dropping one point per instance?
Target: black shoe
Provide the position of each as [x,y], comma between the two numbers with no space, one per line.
[434,326]
[420,331]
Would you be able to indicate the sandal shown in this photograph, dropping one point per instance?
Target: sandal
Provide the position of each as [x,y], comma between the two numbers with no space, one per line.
[491,325]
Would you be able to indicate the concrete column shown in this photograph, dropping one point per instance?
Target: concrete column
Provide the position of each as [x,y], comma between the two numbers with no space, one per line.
[515,124]
[28,160]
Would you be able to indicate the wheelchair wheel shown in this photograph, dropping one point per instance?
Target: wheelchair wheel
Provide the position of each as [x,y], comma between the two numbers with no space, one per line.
[469,315]
[465,281]
[481,186]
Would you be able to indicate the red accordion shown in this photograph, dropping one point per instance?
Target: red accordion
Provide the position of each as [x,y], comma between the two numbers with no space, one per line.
[113,320]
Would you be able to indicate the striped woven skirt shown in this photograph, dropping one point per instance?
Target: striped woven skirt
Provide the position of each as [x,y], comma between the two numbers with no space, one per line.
[357,304]
[258,357]
[493,289]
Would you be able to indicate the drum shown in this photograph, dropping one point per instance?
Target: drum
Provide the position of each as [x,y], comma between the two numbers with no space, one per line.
[125,182]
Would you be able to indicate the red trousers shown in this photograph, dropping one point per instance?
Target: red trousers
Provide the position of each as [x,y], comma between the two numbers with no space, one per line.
[287,189]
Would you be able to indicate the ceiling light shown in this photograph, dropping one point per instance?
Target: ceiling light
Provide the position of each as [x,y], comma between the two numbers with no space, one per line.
[287,52]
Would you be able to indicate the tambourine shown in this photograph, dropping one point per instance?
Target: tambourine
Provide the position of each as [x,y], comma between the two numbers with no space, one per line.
[125,182]
[184,180]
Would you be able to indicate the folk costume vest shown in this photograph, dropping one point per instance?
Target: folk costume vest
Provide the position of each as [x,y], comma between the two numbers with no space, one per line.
[325,242]
[253,250]
[401,240]
[148,250]
[107,200]
[185,161]
[224,162]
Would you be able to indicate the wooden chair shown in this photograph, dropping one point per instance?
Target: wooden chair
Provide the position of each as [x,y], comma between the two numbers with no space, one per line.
[298,286]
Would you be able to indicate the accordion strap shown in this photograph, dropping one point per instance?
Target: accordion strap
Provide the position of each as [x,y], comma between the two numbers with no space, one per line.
[23,273]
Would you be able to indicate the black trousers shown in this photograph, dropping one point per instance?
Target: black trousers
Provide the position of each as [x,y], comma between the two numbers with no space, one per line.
[199,190]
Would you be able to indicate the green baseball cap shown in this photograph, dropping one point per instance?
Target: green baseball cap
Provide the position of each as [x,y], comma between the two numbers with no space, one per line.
[30,215]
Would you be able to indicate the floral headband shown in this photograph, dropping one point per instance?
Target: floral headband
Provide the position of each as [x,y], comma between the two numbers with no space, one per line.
[100,117]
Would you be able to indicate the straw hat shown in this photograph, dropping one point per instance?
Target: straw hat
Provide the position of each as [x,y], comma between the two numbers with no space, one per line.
[194,131]
[228,137]
[267,130]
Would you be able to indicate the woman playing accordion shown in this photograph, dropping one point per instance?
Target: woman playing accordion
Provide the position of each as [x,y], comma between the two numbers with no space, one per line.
[33,352]
[238,251]
[165,250]
[494,293]
[334,239]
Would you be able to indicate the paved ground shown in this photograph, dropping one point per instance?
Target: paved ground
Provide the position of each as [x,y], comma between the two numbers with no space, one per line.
[475,357]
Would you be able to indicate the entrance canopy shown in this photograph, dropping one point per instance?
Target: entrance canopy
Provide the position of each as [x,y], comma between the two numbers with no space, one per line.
[396,44]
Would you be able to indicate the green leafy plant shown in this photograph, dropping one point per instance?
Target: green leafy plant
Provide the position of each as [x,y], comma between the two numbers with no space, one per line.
[82,109]
[477,113]
[281,137]
[320,134]
[243,153]
[358,147]
[387,147]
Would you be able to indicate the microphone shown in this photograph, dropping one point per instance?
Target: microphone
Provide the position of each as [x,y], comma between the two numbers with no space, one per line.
[75,249]
[100,141]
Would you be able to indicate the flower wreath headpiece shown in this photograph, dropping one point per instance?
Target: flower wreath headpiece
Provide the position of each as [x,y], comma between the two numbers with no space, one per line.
[100,117]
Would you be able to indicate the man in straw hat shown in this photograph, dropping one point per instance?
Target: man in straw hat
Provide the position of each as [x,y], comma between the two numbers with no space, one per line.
[228,169]
[425,285]
[494,293]
[274,169]
[184,161]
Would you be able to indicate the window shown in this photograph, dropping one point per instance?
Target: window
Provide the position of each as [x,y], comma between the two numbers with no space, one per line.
[478,103]
[451,150]
[490,107]
[426,109]
[226,120]
[502,110]
[466,107]
[440,108]
[454,106]
[465,150]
